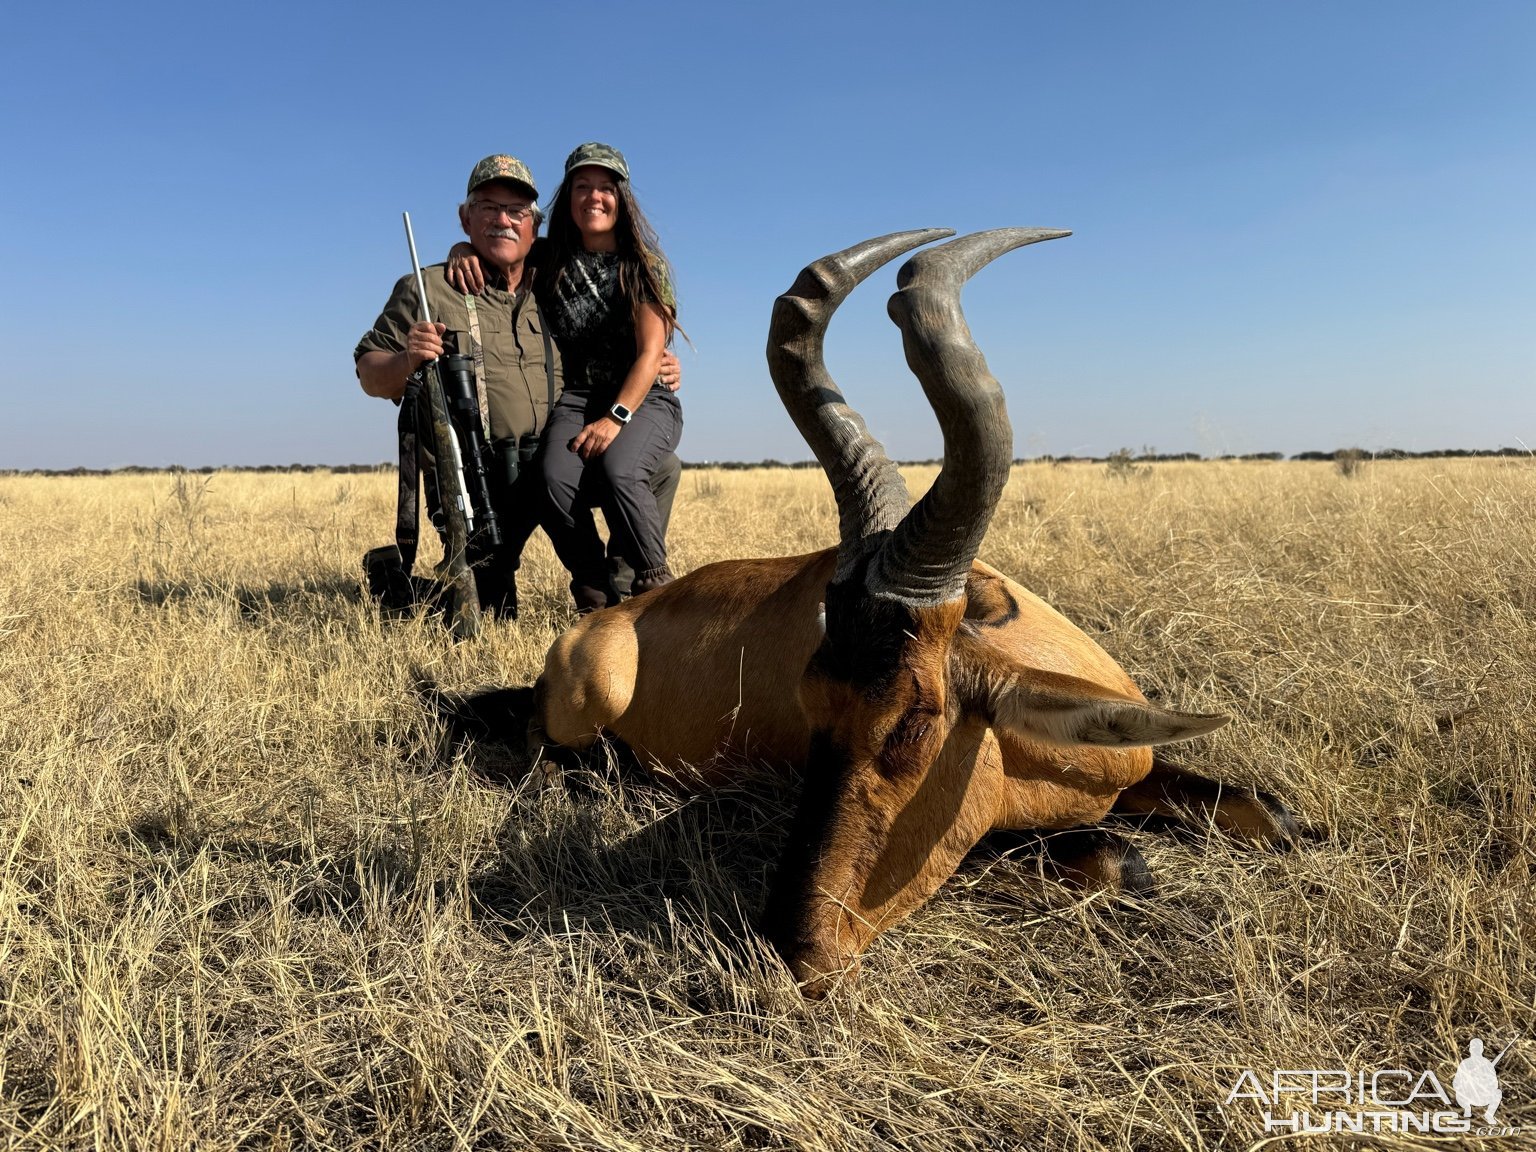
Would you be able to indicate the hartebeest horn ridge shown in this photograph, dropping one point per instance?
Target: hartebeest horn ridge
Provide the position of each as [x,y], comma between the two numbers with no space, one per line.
[871,495]
[927,558]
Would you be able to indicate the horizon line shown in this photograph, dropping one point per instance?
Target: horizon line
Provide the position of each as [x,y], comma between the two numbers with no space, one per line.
[1124,455]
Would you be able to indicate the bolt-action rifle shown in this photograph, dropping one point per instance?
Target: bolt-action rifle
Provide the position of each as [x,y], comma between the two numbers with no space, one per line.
[458,510]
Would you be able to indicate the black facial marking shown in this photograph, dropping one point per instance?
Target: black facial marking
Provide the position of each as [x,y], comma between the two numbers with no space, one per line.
[865,637]
[789,897]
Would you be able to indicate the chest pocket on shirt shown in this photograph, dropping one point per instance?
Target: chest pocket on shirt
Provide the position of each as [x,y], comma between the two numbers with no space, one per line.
[531,335]
[493,317]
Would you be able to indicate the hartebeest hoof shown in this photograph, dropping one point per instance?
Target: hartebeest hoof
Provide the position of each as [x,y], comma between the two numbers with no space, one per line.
[489,729]
[1083,859]
[1097,860]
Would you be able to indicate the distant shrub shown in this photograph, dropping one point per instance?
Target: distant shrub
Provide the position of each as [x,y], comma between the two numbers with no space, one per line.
[1349,461]
[1121,464]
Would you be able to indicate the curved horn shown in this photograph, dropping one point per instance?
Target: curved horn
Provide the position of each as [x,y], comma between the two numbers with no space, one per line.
[926,559]
[871,495]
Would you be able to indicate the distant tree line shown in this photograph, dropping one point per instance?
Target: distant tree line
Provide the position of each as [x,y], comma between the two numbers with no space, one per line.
[204,470]
[1336,454]
[745,465]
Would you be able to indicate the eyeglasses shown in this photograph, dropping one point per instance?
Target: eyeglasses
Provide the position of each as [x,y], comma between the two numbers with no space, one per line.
[517,213]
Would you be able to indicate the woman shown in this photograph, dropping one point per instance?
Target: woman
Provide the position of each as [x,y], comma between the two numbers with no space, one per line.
[603,287]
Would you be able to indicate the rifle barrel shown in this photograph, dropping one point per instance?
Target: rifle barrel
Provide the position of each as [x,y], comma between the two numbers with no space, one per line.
[421,285]
[454,496]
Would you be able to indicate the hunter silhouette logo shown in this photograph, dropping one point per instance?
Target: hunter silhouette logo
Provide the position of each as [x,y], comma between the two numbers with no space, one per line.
[1477,1084]
[1314,1101]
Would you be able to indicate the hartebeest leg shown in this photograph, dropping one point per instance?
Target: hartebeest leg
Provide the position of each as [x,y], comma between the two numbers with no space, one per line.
[867,849]
[1086,859]
[1193,800]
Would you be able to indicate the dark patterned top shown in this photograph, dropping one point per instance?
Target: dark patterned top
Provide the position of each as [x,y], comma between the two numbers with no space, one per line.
[594,327]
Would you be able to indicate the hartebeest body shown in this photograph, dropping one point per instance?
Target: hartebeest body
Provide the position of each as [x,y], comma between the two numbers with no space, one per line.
[927,698]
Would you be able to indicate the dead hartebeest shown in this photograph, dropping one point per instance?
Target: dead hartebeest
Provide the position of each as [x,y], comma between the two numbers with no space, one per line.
[927,698]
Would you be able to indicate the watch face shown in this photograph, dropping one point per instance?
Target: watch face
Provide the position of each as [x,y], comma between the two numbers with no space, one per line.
[620,413]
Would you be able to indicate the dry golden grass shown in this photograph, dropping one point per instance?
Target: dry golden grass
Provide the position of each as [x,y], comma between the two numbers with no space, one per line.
[245,903]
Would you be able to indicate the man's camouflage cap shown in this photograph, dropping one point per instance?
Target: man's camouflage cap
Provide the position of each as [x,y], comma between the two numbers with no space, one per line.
[502,167]
[603,155]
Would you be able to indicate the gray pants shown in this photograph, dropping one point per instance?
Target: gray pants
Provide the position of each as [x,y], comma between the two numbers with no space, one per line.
[663,485]
[622,477]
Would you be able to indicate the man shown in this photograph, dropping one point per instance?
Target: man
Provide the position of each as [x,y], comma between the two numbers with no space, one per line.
[517,368]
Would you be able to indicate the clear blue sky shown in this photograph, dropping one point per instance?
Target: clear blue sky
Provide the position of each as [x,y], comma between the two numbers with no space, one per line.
[1298,225]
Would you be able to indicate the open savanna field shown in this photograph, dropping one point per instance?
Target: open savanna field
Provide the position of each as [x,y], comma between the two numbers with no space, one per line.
[249,897]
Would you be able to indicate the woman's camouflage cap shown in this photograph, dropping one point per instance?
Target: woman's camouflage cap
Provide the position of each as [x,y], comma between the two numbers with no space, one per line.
[502,167]
[602,155]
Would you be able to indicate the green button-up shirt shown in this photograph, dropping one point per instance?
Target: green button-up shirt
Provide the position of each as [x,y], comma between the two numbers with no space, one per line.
[511,334]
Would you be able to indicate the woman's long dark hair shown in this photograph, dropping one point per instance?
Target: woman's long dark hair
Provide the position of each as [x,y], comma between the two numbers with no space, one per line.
[644,274]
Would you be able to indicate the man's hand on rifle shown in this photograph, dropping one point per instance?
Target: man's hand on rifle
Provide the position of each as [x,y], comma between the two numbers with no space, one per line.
[422,343]
[385,374]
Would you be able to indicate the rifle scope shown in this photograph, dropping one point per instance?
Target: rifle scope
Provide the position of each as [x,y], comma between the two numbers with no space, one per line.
[457,372]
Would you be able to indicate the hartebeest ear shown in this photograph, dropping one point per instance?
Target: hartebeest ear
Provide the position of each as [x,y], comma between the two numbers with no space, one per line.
[1061,709]
[1065,710]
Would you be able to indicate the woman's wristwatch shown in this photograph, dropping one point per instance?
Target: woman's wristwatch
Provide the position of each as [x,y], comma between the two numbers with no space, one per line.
[620,413]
